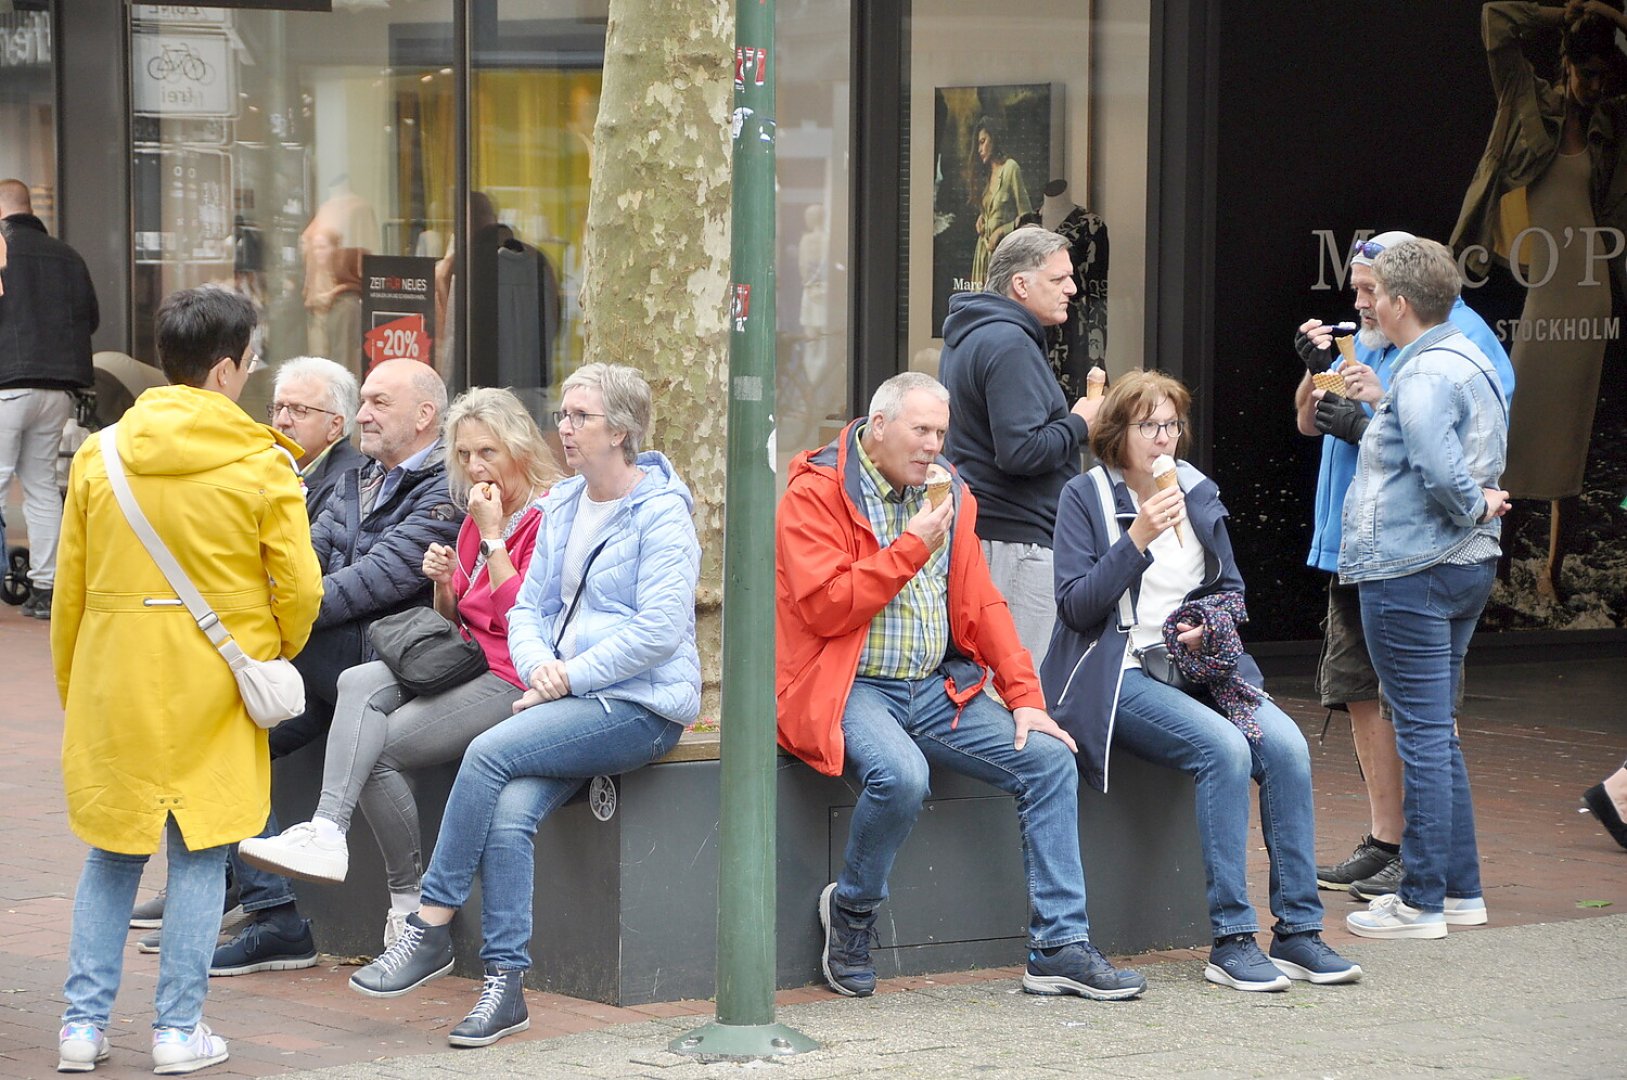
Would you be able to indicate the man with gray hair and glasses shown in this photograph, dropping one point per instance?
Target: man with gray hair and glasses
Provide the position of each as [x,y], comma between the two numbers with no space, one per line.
[314,402]
[1015,440]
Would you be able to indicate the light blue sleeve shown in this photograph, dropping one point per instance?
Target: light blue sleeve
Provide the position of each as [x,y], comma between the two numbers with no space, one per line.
[668,569]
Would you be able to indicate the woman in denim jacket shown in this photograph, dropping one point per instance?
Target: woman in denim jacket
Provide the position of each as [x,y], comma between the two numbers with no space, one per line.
[1421,539]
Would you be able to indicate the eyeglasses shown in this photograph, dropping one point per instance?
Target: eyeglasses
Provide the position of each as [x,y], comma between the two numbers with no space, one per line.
[1366,249]
[252,363]
[298,412]
[575,420]
[1151,429]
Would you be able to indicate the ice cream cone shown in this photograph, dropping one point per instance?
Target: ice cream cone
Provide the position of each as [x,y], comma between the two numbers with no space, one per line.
[1095,383]
[1331,382]
[1164,476]
[937,485]
[1347,346]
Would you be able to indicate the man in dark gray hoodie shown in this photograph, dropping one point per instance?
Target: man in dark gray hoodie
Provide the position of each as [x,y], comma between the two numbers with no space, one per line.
[1014,439]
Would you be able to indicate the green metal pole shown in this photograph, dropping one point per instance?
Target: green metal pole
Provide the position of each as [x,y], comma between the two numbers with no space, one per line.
[745,1027]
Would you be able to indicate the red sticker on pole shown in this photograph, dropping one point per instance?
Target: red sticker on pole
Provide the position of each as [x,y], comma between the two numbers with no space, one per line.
[741,307]
[403,338]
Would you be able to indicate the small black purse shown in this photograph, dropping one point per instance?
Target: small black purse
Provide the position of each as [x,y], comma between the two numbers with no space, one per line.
[424,652]
[1158,665]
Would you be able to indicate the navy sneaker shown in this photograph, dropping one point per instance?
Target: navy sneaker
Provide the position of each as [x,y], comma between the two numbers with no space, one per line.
[261,946]
[1237,962]
[845,958]
[422,952]
[500,1011]
[1308,958]
[1080,969]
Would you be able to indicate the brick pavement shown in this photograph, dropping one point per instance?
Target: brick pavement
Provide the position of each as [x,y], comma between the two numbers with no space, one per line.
[1535,735]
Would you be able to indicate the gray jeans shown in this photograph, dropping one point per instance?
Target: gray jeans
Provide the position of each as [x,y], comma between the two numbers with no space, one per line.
[1023,574]
[380,729]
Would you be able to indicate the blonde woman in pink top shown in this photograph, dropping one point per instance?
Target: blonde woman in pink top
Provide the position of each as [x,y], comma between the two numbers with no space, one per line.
[499,464]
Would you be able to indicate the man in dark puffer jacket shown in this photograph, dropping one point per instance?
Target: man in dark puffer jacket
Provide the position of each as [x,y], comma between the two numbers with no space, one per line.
[370,539]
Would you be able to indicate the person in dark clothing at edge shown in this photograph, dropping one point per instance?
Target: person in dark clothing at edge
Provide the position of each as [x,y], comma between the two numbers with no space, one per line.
[1014,440]
[47,314]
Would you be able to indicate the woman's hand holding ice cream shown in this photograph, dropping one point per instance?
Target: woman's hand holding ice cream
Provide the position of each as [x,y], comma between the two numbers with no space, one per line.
[1166,509]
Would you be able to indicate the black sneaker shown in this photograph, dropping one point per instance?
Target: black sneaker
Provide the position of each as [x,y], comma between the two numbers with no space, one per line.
[846,955]
[1080,969]
[1383,883]
[422,952]
[499,1012]
[1367,860]
[261,946]
[38,604]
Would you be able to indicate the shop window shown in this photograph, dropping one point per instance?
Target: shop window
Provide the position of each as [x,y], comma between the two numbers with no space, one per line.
[814,81]
[1036,115]
[537,66]
[283,154]
[28,150]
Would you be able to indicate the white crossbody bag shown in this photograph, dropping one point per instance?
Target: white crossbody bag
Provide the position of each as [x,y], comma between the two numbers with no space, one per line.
[272,690]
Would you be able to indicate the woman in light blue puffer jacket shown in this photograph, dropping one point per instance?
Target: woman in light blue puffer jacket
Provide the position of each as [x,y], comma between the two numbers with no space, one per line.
[603,633]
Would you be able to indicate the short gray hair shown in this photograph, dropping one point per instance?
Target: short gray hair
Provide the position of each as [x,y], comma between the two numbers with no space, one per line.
[1425,273]
[344,396]
[1022,250]
[888,400]
[626,401]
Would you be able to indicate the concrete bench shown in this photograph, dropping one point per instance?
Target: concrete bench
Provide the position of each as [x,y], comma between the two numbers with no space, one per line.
[625,909]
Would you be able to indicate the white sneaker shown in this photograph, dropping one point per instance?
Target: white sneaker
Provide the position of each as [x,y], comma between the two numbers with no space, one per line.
[80,1046]
[1388,917]
[394,923]
[178,1051]
[298,851]
[1465,911]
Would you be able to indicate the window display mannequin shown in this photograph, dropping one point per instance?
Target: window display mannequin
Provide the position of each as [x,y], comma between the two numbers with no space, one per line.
[1081,341]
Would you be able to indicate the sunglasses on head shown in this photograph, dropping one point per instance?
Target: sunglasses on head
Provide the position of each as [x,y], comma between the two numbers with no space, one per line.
[1366,249]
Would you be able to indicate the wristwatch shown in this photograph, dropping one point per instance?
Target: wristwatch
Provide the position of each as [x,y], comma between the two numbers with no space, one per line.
[488,548]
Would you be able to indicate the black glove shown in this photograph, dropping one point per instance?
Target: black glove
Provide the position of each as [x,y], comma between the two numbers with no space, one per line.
[1340,417]
[1316,360]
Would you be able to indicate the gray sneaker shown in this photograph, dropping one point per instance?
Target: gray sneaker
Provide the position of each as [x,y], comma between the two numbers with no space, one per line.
[149,942]
[499,1012]
[421,953]
[1368,859]
[1383,883]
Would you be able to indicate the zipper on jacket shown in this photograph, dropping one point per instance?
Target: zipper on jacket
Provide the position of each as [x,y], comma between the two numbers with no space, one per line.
[1060,698]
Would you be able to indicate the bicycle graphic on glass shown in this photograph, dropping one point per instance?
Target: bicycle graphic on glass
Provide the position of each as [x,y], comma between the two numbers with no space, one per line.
[180,61]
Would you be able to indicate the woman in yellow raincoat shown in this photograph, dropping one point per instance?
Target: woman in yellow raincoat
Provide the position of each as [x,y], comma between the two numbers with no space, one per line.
[156,741]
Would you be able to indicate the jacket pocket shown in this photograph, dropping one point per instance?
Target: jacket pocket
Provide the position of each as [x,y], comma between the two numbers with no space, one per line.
[1074,674]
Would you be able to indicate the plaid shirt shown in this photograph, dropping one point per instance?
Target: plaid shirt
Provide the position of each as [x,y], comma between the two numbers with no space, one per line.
[909,637]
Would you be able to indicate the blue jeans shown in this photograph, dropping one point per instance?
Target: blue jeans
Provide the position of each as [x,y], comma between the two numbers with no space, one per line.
[1170,727]
[101,922]
[894,729]
[1418,629]
[512,777]
[260,889]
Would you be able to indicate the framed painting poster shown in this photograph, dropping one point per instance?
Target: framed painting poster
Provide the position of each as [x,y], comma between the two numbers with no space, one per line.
[994,150]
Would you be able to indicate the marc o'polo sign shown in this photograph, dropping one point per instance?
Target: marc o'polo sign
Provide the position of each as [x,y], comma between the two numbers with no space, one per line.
[398,308]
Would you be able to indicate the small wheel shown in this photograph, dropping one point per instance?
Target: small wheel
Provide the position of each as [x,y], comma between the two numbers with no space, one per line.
[14,589]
